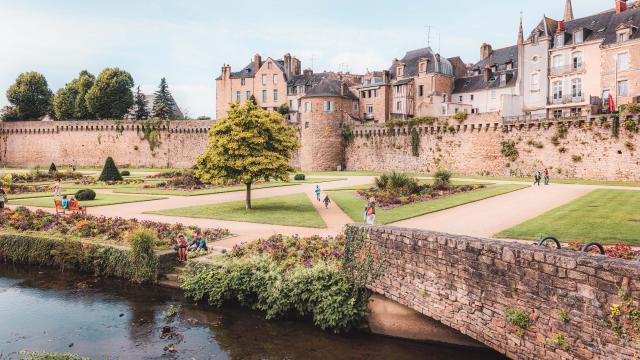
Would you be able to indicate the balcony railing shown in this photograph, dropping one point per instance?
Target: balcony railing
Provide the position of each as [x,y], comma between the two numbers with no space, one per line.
[567,69]
[566,100]
[368,116]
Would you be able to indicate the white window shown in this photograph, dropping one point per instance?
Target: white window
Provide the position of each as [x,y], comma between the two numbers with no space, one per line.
[494,95]
[328,106]
[605,97]
[269,65]
[576,88]
[557,90]
[400,71]
[237,96]
[369,109]
[243,81]
[557,61]
[623,36]
[307,106]
[623,88]
[560,40]
[275,78]
[623,61]
[536,37]
[535,82]
[264,96]
[577,37]
[356,107]
[576,61]
[265,78]
[399,106]
[248,95]
[275,95]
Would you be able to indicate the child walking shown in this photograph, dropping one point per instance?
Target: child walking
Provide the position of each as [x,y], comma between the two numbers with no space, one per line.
[326,201]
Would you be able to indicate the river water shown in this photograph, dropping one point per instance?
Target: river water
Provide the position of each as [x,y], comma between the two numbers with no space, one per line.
[47,310]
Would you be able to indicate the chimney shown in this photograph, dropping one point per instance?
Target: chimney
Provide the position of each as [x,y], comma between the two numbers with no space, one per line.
[226,71]
[308,73]
[296,66]
[487,73]
[257,62]
[385,76]
[485,51]
[621,5]
[560,26]
[287,65]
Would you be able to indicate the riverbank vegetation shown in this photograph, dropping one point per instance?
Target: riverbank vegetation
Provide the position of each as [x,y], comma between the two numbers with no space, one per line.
[318,278]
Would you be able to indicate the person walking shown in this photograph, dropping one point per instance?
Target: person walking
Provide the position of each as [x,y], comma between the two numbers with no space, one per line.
[546,176]
[3,197]
[536,178]
[317,191]
[58,188]
[326,201]
[371,212]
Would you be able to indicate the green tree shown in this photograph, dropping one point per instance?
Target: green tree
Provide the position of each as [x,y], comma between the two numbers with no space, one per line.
[283,109]
[30,95]
[163,102]
[70,101]
[110,171]
[9,113]
[140,106]
[248,145]
[111,97]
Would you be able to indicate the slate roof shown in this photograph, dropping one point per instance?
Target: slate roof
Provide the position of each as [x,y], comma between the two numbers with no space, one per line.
[499,57]
[308,80]
[412,59]
[177,113]
[477,83]
[249,70]
[330,87]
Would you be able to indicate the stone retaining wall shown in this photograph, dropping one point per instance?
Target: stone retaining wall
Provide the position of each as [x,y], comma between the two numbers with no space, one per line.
[469,283]
[587,149]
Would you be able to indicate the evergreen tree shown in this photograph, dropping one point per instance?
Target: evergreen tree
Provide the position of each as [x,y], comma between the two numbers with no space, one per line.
[110,171]
[140,106]
[53,169]
[163,102]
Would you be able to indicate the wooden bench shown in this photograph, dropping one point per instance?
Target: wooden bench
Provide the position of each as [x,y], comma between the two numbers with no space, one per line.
[74,207]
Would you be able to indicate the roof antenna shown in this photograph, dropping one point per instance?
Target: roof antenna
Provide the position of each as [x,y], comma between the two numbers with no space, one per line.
[439,38]
[428,35]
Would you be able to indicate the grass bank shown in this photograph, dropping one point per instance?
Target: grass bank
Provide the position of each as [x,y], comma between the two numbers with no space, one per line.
[604,216]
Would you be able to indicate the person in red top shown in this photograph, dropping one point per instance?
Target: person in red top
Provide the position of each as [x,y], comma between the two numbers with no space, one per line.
[182,248]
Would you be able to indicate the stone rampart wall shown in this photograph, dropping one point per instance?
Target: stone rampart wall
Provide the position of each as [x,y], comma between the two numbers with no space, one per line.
[469,283]
[89,143]
[587,149]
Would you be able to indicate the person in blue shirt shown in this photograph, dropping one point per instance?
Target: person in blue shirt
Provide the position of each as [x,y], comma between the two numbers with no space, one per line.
[65,202]
[198,243]
[317,191]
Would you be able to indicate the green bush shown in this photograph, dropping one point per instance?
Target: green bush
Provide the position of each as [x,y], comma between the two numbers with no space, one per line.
[100,260]
[442,179]
[460,117]
[631,125]
[517,317]
[509,150]
[142,242]
[299,177]
[110,171]
[53,169]
[125,173]
[85,195]
[395,182]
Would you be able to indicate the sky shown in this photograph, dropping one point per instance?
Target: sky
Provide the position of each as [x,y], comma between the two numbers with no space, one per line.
[187,41]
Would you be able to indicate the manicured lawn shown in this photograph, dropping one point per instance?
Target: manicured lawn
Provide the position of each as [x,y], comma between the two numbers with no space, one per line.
[353,206]
[421,181]
[101,200]
[218,190]
[555,181]
[604,216]
[289,210]
[37,195]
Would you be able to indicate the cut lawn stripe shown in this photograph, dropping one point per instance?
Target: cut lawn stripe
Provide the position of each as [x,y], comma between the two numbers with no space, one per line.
[101,200]
[289,210]
[353,206]
[604,216]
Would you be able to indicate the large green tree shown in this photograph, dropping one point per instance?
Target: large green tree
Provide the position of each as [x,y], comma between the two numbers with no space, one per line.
[163,102]
[70,101]
[84,83]
[248,145]
[30,95]
[140,111]
[111,97]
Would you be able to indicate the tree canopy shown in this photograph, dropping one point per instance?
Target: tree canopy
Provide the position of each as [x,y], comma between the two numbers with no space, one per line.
[111,97]
[70,101]
[248,145]
[140,111]
[30,96]
[163,102]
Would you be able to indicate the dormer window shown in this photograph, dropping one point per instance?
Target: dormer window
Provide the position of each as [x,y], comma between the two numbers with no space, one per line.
[623,35]
[494,68]
[400,70]
[559,40]
[269,65]
[578,37]
[536,38]
[509,66]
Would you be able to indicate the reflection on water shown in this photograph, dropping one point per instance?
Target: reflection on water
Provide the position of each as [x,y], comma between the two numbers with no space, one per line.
[46,310]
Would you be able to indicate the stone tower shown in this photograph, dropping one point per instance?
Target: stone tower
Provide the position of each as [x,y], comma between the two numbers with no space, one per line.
[568,11]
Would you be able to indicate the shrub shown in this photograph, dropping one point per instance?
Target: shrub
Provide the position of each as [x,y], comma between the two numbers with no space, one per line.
[631,125]
[142,242]
[53,169]
[509,150]
[299,177]
[576,158]
[535,144]
[630,146]
[461,117]
[396,182]
[558,341]
[517,317]
[125,173]
[564,317]
[85,195]
[442,179]
[110,171]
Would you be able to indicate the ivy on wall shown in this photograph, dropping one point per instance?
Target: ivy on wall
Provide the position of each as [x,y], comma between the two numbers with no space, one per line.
[415,142]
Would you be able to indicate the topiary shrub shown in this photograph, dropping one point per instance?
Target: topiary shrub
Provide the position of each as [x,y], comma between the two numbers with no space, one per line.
[85,195]
[299,177]
[125,173]
[110,171]
[53,169]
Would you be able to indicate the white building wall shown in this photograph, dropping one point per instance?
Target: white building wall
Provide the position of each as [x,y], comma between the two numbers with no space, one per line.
[485,101]
[536,62]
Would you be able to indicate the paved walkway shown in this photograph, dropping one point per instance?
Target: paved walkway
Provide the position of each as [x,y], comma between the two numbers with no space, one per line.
[483,218]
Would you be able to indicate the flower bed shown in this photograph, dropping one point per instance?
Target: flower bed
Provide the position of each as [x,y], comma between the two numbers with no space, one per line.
[390,200]
[39,176]
[90,180]
[621,251]
[182,182]
[19,189]
[97,228]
